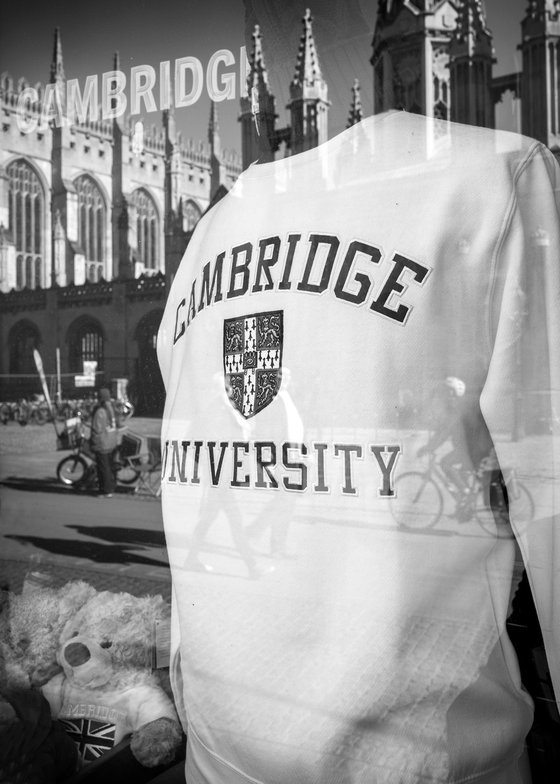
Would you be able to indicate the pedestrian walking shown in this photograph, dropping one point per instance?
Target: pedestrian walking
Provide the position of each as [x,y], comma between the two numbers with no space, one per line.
[104,442]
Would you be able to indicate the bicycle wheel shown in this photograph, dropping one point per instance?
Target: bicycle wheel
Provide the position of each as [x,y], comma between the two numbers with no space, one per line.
[72,470]
[125,474]
[22,417]
[40,414]
[418,502]
[493,516]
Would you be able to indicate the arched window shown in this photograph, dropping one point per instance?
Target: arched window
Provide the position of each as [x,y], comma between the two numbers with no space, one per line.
[147,229]
[192,215]
[24,337]
[91,227]
[86,344]
[26,217]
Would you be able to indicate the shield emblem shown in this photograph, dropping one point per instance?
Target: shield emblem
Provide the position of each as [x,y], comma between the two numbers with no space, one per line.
[253,360]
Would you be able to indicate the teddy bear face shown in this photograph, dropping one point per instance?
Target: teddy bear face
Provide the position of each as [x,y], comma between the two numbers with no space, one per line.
[110,635]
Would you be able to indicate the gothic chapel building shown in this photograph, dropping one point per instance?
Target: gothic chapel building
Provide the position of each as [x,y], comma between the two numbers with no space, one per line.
[95,215]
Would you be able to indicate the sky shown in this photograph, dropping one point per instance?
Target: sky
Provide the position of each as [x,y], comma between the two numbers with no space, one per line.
[147,32]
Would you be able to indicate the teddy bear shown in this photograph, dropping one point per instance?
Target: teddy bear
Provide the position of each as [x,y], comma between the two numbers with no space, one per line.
[106,690]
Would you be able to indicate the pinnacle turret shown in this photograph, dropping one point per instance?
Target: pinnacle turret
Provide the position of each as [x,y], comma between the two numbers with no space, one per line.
[258,75]
[57,65]
[308,70]
[538,8]
[356,112]
[308,95]
[471,31]
[258,108]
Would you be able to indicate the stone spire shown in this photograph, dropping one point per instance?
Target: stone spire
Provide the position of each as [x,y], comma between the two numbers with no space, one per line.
[308,95]
[356,112]
[214,129]
[472,36]
[57,65]
[257,81]
[217,168]
[258,109]
[55,94]
[308,70]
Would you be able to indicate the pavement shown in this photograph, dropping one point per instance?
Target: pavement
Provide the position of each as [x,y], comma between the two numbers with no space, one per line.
[116,544]
[51,533]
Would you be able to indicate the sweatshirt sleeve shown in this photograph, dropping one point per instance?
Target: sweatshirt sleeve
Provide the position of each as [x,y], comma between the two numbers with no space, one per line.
[521,396]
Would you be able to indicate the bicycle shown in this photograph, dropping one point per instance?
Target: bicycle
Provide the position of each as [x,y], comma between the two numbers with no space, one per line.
[78,470]
[24,412]
[419,498]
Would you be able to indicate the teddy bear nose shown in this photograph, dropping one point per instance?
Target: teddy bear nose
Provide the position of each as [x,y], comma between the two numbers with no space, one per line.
[76,653]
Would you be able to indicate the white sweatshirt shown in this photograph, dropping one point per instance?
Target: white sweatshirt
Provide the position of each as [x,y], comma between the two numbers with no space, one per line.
[326,634]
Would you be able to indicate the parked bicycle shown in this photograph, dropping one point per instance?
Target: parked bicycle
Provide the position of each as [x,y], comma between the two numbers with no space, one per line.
[419,498]
[25,412]
[78,469]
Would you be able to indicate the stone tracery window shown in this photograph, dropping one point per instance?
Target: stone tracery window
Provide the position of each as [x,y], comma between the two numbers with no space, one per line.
[86,343]
[192,214]
[91,226]
[147,229]
[26,220]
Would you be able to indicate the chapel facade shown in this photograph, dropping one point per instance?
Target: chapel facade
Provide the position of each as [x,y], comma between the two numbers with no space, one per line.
[95,215]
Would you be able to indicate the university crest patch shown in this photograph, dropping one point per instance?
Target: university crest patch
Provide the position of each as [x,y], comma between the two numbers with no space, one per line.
[253,360]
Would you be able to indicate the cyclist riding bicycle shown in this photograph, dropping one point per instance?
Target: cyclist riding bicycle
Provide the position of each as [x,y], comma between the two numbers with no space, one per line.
[449,420]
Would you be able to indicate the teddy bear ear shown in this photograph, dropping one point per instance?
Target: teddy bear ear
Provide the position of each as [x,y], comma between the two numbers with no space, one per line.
[75,594]
[156,607]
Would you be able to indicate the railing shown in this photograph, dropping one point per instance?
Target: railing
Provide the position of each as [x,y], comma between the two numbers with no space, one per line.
[146,287]
[100,293]
[23,299]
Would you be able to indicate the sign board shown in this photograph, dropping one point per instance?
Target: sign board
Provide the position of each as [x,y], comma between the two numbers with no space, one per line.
[84,381]
[87,379]
[90,369]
